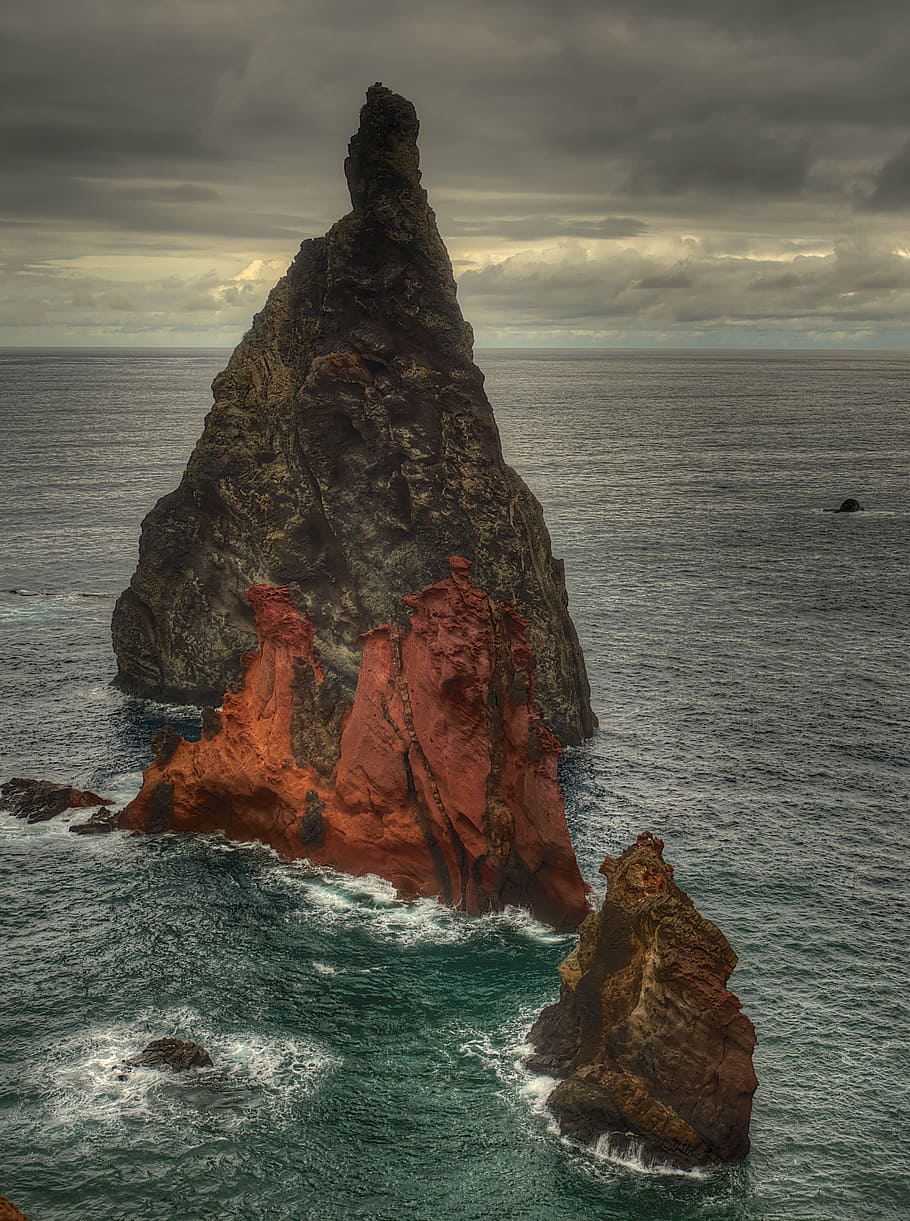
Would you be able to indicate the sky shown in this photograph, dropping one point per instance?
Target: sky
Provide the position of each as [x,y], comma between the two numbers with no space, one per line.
[606,173]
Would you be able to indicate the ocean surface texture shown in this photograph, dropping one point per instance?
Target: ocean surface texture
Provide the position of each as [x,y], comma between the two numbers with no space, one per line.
[748,657]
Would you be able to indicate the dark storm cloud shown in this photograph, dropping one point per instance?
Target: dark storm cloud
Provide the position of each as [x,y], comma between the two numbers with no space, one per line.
[720,157]
[892,185]
[220,124]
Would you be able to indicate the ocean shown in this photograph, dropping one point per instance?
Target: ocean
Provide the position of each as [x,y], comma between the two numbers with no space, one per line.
[748,659]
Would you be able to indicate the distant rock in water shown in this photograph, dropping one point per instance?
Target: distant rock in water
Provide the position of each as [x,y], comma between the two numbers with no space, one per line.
[41,800]
[849,506]
[173,1054]
[9,1212]
[437,774]
[351,450]
[647,1039]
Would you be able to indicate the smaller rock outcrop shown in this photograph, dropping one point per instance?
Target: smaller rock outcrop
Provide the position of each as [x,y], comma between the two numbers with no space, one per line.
[648,1041]
[173,1054]
[849,506]
[9,1212]
[41,800]
[438,775]
[102,822]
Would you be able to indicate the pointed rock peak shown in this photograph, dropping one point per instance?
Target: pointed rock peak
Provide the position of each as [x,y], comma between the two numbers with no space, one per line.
[383,164]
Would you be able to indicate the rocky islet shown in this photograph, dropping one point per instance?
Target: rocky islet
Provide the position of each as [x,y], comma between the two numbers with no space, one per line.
[351,450]
[646,1038]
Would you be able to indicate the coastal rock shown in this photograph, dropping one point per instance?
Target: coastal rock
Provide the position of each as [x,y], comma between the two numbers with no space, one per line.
[41,800]
[437,773]
[648,1041]
[173,1054]
[101,823]
[351,449]
[849,506]
[9,1212]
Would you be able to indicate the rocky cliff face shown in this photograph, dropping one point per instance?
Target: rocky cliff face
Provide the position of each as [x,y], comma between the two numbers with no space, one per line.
[436,773]
[351,449]
[646,1036]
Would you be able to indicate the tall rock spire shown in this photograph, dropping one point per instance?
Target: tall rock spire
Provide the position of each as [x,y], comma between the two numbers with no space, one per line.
[350,451]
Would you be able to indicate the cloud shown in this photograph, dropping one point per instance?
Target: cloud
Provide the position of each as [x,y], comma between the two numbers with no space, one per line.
[892,184]
[585,290]
[724,157]
[533,228]
[189,128]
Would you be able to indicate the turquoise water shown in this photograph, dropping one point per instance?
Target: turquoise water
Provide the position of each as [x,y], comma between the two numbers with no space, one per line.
[747,654]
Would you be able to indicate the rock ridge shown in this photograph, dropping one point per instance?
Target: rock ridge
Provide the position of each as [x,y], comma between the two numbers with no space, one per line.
[351,449]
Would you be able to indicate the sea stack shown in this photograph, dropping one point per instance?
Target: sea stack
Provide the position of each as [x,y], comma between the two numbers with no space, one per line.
[350,451]
[650,1045]
[439,776]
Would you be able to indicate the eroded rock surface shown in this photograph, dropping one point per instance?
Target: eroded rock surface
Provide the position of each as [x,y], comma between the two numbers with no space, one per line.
[41,800]
[176,1055]
[351,449]
[645,1035]
[437,773]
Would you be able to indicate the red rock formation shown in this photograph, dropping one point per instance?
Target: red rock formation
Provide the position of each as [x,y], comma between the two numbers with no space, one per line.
[9,1212]
[646,1035]
[440,776]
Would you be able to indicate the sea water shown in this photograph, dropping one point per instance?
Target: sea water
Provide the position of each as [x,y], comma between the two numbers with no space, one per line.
[748,657]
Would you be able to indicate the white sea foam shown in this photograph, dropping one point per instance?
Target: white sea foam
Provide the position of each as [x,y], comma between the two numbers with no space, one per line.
[629,1153]
[253,1075]
[67,595]
[506,1051]
[371,903]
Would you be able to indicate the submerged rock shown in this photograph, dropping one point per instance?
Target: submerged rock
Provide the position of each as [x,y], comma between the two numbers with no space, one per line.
[646,1037]
[173,1054]
[351,449]
[41,800]
[437,774]
[849,506]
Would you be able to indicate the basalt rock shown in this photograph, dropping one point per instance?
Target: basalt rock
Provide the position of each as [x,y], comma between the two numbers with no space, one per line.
[41,800]
[647,1039]
[436,773]
[101,822]
[173,1054]
[351,449]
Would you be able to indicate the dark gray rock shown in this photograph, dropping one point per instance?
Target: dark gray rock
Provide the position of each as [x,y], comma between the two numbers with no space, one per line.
[351,450]
[102,822]
[41,800]
[173,1054]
